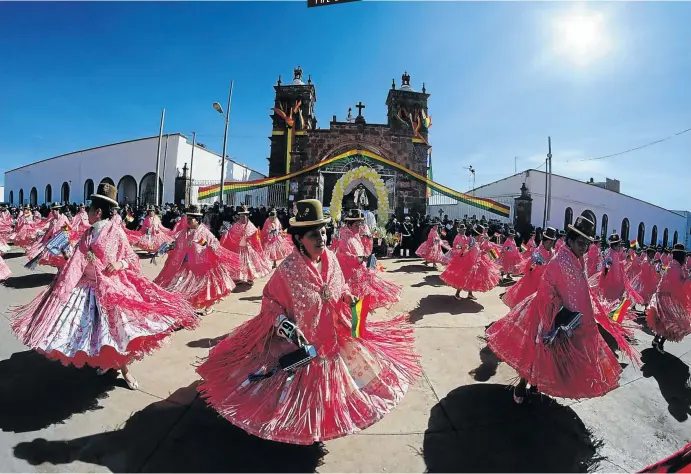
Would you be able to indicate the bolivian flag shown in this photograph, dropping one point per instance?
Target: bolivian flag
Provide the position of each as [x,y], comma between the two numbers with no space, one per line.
[359,312]
[493,254]
[202,242]
[618,314]
[524,248]
[634,244]
[66,228]
[129,218]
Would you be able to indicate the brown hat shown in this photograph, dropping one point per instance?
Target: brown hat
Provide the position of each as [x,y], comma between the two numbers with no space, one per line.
[355,215]
[584,227]
[107,192]
[193,211]
[309,213]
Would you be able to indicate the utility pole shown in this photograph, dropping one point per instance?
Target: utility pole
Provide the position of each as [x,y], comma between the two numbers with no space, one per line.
[549,160]
[225,141]
[165,159]
[189,189]
[158,155]
[515,166]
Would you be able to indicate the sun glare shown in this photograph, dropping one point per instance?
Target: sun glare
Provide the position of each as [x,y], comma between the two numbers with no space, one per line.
[581,37]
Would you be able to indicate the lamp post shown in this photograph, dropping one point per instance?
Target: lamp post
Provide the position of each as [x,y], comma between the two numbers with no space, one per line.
[472,172]
[219,109]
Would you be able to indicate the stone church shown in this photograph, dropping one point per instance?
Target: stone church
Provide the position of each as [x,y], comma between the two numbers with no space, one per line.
[297,142]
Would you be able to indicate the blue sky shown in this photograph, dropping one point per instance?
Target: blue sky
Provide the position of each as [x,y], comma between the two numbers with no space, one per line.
[77,75]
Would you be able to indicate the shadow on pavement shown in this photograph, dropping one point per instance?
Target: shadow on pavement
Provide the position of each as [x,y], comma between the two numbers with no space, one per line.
[32,280]
[433,304]
[206,343]
[241,287]
[505,282]
[36,392]
[10,255]
[430,280]
[672,376]
[490,433]
[251,298]
[643,324]
[488,365]
[168,437]
[415,268]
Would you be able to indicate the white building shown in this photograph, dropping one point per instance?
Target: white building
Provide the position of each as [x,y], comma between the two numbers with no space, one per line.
[687,230]
[611,211]
[2,193]
[130,165]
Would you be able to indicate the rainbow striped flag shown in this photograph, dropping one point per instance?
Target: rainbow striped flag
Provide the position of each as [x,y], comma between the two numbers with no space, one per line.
[620,311]
[359,312]
[129,218]
[634,244]
[493,254]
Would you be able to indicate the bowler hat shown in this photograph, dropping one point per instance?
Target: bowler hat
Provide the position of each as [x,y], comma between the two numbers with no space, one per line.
[243,210]
[193,211]
[550,233]
[355,215]
[56,205]
[106,192]
[583,227]
[309,213]
[614,239]
[478,229]
[678,248]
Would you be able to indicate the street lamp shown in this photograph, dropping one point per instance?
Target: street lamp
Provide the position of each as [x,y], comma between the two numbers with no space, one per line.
[219,109]
[472,172]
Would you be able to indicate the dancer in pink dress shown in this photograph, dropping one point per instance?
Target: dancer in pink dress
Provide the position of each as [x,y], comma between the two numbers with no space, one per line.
[57,223]
[100,310]
[350,380]
[152,233]
[5,271]
[80,221]
[669,314]
[6,225]
[361,279]
[198,267]
[244,238]
[460,242]
[366,238]
[431,249]
[593,259]
[532,270]
[25,230]
[648,277]
[275,242]
[573,363]
[610,284]
[510,256]
[472,270]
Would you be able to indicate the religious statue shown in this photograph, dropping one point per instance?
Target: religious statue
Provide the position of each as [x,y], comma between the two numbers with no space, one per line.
[361,200]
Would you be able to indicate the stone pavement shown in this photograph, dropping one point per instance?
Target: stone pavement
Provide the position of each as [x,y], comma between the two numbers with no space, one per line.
[458,417]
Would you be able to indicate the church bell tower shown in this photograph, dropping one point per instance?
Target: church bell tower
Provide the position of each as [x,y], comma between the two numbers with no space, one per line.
[293,117]
[407,109]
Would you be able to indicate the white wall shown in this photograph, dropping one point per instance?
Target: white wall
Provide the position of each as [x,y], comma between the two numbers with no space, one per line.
[2,193]
[133,158]
[579,196]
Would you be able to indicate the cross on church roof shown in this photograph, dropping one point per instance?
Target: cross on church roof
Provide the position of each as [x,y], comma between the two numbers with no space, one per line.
[359,107]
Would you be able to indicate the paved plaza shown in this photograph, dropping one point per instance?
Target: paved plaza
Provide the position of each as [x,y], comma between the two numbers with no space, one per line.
[458,417]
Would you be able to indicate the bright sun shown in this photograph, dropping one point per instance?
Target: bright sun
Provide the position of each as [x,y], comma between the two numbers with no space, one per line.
[581,37]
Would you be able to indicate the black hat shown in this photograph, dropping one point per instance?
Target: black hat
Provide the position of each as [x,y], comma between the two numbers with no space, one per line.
[597,239]
[562,233]
[584,227]
[193,211]
[650,249]
[678,248]
[512,232]
[550,233]
[243,210]
[272,212]
[614,239]
[56,205]
[309,213]
[106,192]
[355,215]
[478,229]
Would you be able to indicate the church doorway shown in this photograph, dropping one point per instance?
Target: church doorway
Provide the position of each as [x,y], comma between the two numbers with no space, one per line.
[363,188]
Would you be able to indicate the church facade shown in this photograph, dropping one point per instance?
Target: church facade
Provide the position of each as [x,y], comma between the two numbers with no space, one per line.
[391,149]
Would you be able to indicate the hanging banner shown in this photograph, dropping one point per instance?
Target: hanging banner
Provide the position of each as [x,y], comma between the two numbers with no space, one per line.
[489,205]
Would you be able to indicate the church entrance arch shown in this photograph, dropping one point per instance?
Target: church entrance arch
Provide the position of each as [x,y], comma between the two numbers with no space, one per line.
[357,180]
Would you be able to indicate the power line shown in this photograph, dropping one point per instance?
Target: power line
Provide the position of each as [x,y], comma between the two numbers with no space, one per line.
[633,149]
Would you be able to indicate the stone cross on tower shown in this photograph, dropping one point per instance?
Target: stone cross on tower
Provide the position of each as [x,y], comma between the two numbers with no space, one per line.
[359,107]
[360,118]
